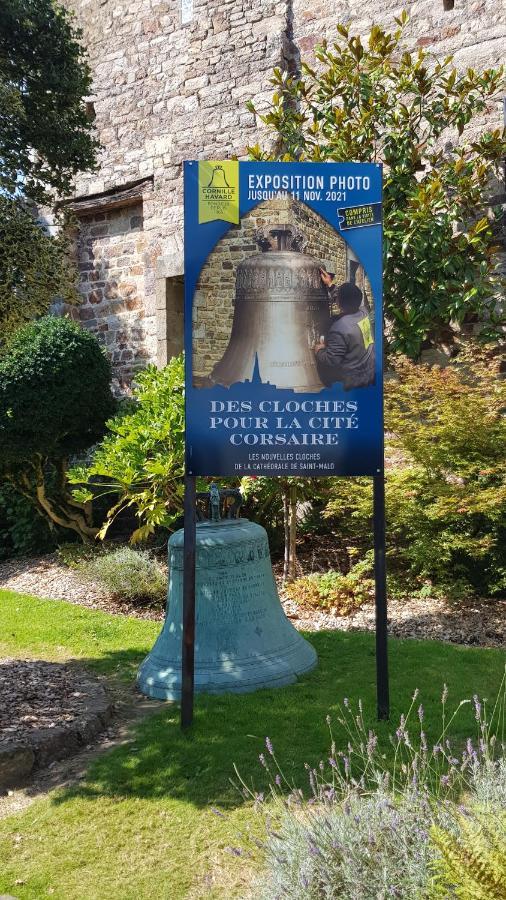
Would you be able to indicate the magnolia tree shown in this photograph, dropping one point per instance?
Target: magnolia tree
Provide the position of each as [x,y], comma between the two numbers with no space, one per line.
[376,102]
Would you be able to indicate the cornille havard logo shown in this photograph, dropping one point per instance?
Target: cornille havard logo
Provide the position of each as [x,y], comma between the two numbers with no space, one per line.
[219,191]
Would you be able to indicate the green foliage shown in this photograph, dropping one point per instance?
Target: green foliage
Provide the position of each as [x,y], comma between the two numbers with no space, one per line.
[129,574]
[332,590]
[45,133]
[286,507]
[54,401]
[54,391]
[375,102]
[45,139]
[73,554]
[141,460]
[22,531]
[362,829]
[472,857]
[446,492]
[34,268]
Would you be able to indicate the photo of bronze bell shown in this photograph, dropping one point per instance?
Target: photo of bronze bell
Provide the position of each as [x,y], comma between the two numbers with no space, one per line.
[281,309]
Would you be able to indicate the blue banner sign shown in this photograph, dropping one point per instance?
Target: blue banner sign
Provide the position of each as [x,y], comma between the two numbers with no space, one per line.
[283,318]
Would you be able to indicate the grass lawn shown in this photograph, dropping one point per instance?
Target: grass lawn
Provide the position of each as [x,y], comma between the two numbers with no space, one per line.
[140,825]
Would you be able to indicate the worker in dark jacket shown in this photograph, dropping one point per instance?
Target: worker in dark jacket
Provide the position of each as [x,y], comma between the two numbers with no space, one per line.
[348,352]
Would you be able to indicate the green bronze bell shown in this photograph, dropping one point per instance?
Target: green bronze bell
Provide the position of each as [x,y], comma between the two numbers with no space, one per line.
[243,639]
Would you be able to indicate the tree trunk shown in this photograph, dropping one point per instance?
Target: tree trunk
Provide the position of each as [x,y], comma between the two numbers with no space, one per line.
[286,524]
[293,532]
[61,510]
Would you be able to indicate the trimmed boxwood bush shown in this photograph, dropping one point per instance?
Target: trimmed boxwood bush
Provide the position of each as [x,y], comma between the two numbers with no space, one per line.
[54,401]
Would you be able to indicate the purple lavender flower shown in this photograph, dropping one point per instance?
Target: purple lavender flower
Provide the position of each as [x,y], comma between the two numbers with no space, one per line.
[445,780]
[268,744]
[278,780]
[332,762]
[262,760]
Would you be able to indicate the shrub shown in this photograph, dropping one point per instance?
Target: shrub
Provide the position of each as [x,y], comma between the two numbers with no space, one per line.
[445,492]
[472,857]
[22,531]
[140,462]
[129,574]
[54,401]
[370,829]
[332,590]
[373,101]
[74,555]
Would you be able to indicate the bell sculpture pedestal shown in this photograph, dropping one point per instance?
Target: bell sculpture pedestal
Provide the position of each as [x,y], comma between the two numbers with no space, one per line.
[243,639]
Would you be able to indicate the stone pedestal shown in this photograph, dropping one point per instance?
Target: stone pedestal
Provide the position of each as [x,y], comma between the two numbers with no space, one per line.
[243,639]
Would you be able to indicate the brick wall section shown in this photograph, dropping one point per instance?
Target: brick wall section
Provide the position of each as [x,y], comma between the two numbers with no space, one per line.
[110,249]
[213,302]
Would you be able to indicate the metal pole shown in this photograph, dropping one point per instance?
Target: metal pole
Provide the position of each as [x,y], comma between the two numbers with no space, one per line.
[188,648]
[382,691]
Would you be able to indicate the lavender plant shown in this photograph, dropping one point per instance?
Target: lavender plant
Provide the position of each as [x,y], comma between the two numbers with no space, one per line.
[365,829]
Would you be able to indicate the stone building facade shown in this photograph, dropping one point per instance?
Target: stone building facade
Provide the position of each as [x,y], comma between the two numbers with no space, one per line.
[170,82]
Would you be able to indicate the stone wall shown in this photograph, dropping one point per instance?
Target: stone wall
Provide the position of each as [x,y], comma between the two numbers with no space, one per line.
[110,250]
[213,308]
[474,31]
[164,91]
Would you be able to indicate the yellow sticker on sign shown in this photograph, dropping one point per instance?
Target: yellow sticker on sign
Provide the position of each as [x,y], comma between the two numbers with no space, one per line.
[219,190]
[365,328]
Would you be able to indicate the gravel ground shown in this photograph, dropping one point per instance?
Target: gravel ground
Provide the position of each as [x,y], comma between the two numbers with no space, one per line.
[46,576]
[479,622]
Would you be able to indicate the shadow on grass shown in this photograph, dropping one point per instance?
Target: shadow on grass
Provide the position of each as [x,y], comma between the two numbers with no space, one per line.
[197,766]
